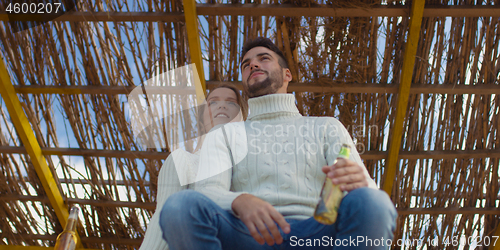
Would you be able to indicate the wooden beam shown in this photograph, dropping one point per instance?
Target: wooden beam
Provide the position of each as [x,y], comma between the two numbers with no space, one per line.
[116,241]
[448,210]
[393,88]
[392,162]
[152,155]
[97,90]
[81,181]
[99,203]
[98,240]
[293,87]
[291,10]
[91,152]
[193,34]
[81,16]
[73,90]
[152,205]
[71,201]
[435,154]
[326,11]
[434,194]
[28,139]
[258,10]
[102,182]
[14,247]
[455,89]
[463,11]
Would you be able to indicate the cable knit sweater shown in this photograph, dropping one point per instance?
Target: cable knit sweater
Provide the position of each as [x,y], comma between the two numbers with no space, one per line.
[168,183]
[278,155]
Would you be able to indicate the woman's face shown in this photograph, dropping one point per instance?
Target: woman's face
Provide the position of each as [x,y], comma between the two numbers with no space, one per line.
[222,107]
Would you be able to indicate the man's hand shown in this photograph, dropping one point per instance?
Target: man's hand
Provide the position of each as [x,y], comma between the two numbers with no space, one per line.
[347,174]
[260,218]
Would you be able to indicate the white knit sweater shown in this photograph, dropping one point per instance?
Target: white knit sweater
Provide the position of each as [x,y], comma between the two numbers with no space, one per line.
[168,183]
[278,155]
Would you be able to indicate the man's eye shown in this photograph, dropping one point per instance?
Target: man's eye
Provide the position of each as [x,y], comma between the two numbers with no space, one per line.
[212,103]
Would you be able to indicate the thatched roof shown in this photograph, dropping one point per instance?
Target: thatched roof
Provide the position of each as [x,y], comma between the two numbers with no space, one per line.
[349,60]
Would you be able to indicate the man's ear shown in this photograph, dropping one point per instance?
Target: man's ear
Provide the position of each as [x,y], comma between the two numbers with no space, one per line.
[287,75]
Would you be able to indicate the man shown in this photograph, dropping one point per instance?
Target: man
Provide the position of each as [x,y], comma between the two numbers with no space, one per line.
[262,178]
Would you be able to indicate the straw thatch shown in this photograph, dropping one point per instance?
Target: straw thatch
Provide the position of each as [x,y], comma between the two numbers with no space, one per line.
[447,180]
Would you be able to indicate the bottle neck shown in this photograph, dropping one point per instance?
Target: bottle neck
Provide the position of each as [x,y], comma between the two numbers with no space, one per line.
[72,219]
[71,225]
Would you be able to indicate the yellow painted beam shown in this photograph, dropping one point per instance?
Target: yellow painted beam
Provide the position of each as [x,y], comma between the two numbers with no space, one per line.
[416,13]
[15,247]
[25,132]
[191,19]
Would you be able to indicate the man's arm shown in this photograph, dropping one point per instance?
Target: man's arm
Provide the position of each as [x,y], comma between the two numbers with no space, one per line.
[259,216]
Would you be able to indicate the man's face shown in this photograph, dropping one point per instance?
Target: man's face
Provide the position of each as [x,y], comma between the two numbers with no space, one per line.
[261,72]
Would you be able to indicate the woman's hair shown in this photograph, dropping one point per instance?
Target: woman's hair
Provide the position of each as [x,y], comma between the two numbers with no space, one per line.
[242,103]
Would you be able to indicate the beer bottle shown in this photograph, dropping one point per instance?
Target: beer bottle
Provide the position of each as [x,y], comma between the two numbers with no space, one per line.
[67,239]
[331,195]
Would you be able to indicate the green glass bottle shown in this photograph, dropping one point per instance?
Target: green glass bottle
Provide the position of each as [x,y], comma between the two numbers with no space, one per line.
[331,196]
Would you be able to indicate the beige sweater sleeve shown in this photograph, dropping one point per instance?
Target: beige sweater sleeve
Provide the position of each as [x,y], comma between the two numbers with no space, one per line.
[215,166]
[168,184]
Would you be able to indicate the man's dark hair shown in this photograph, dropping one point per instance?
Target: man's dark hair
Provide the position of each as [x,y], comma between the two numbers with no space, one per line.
[266,43]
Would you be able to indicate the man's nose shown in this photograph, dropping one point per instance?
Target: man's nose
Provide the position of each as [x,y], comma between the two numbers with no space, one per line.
[254,65]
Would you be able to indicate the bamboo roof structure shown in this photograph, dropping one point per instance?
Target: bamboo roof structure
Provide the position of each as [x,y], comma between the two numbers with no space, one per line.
[417,84]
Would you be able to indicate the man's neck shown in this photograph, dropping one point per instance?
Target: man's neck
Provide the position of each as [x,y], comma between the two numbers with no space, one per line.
[270,105]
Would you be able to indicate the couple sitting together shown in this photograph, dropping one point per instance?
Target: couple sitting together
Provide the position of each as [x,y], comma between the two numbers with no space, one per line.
[259,178]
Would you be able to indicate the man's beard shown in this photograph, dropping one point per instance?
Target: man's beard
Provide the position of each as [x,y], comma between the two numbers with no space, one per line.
[269,85]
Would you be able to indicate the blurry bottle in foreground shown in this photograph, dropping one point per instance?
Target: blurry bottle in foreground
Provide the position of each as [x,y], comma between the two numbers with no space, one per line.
[331,196]
[67,239]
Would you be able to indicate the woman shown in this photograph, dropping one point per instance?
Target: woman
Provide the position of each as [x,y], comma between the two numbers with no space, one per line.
[224,104]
